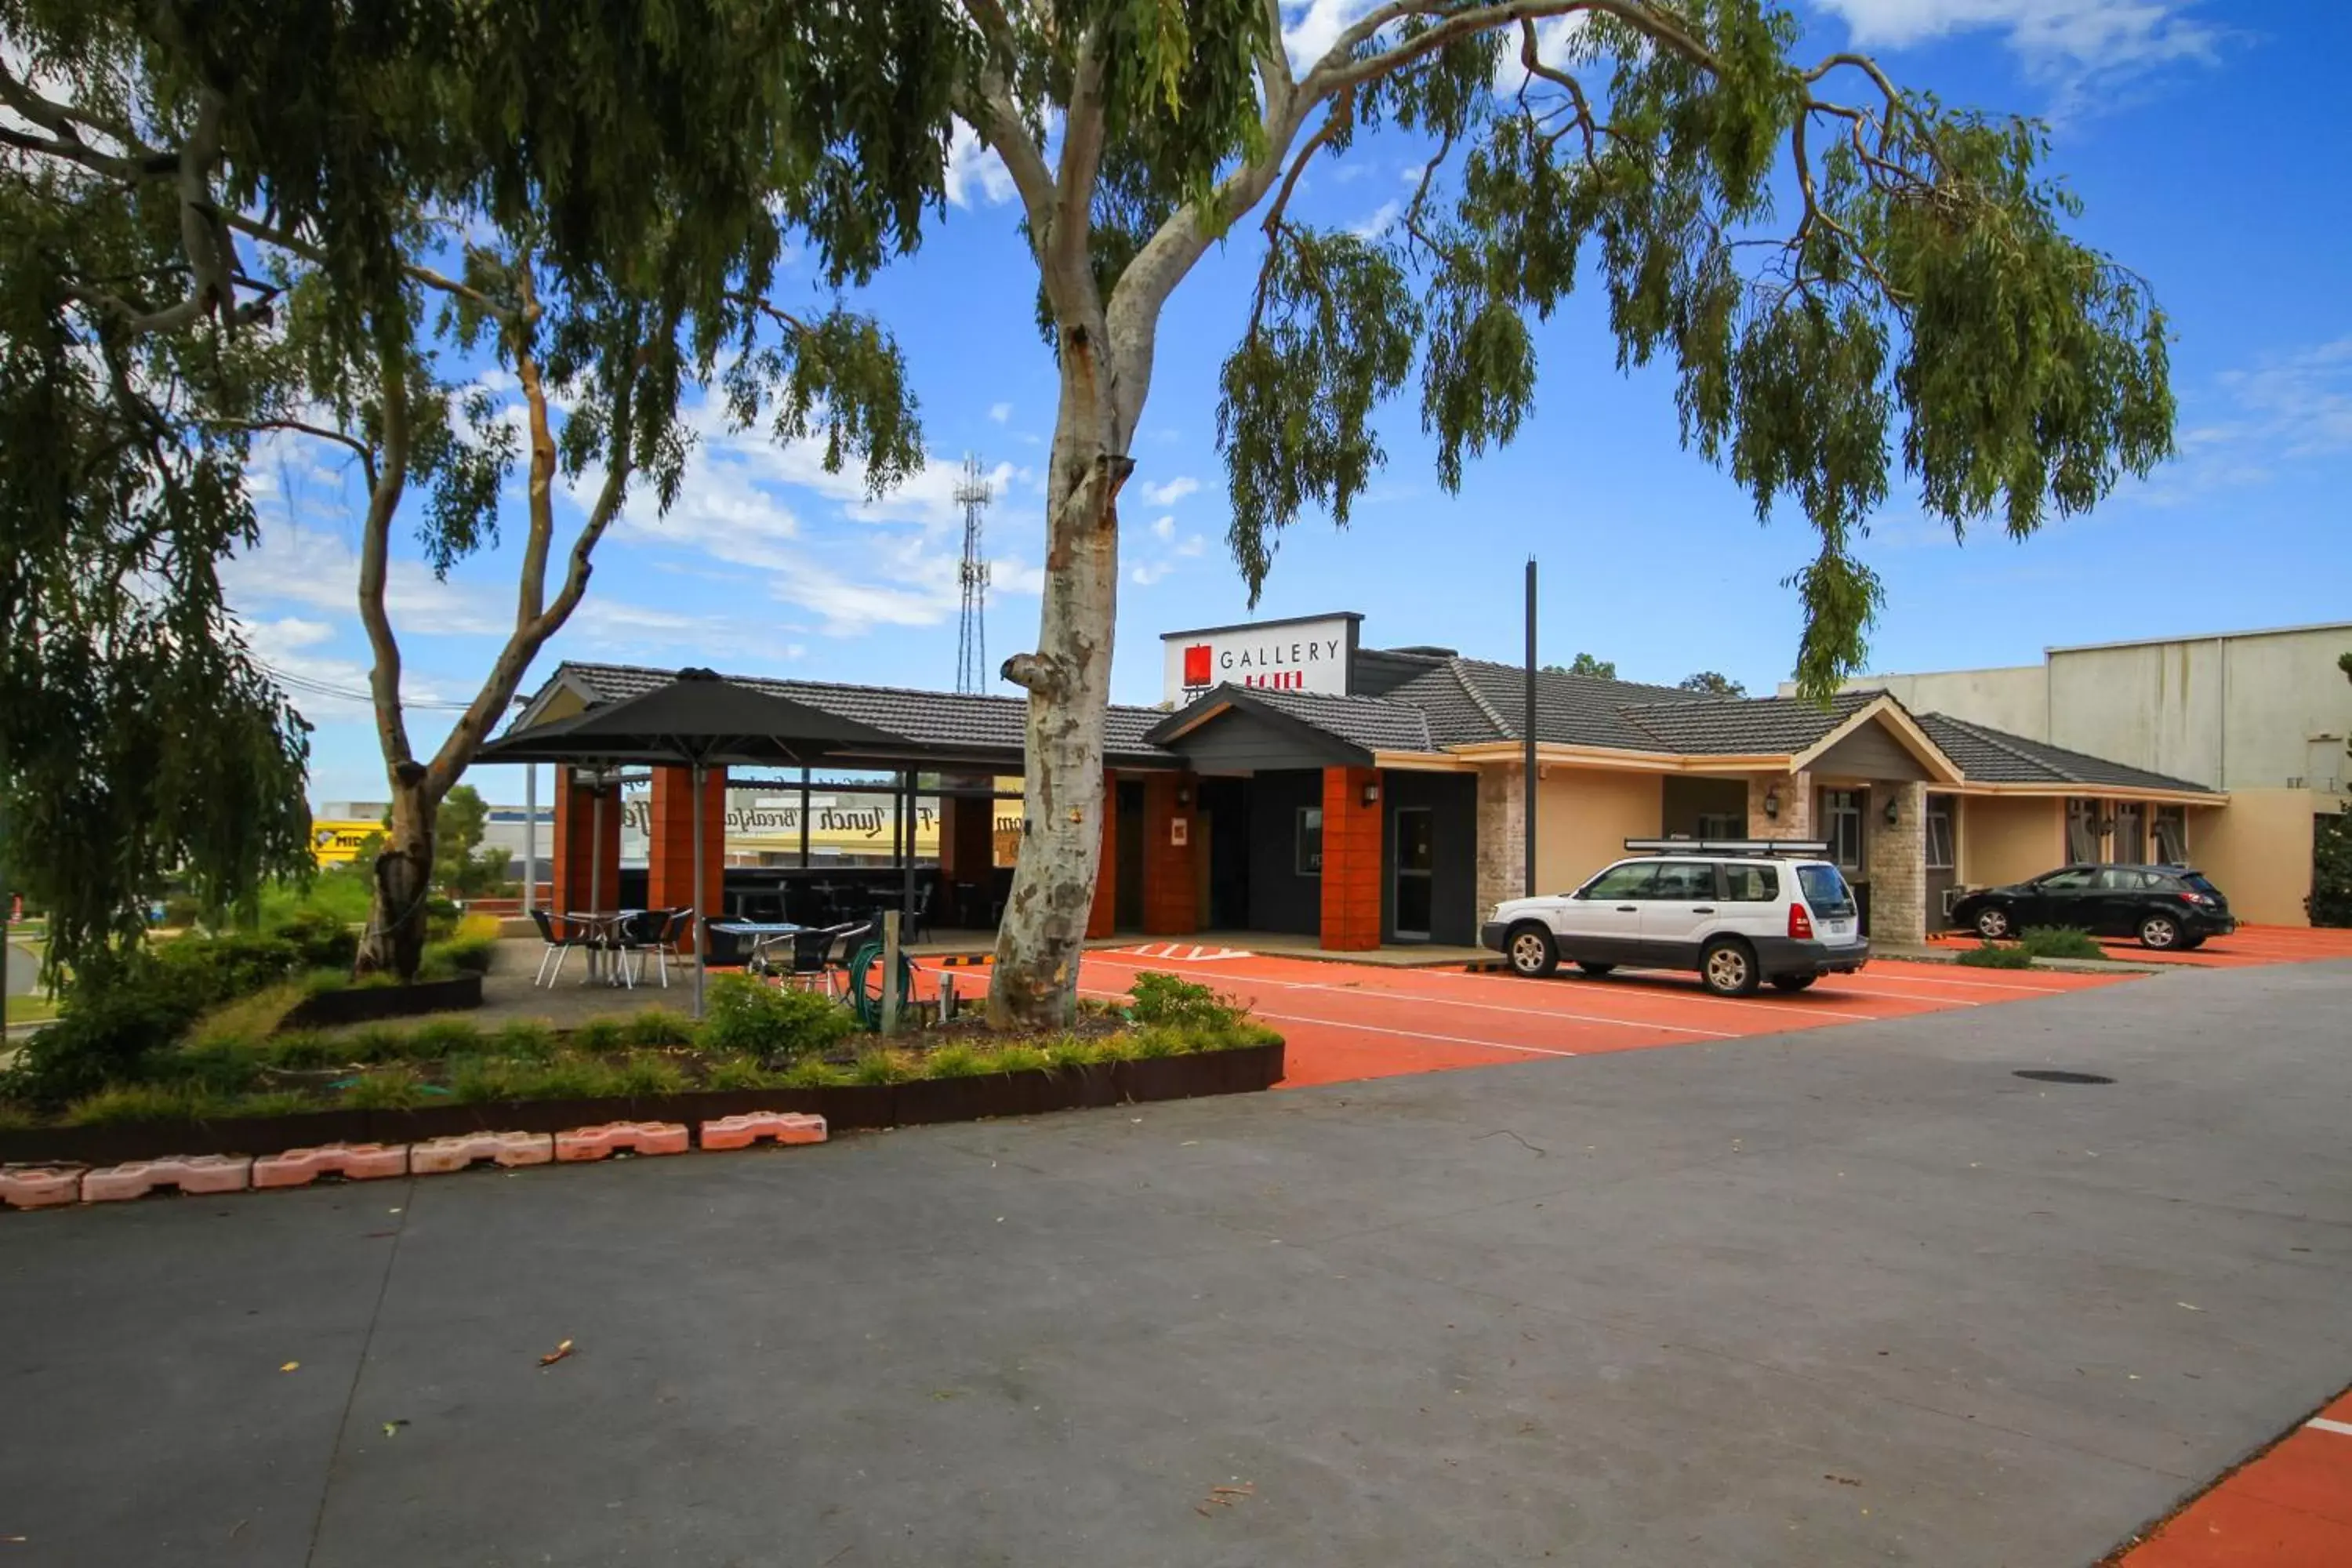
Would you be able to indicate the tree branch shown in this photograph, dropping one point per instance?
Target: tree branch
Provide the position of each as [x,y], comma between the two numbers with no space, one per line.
[375,538]
[365,454]
[1339,67]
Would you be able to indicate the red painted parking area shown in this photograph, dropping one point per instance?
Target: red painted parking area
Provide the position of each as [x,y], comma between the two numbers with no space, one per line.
[2250,945]
[2290,1508]
[1347,1022]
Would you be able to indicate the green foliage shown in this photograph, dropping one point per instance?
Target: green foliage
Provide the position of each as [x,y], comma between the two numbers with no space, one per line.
[322,937]
[957,1061]
[392,1089]
[525,1038]
[600,1034]
[443,1037]
[745,1072]
[1712,683]
[143,1102]
[2330,904]
[304,1048]
[221,1067]
[1017,1057]
[1585,664]
[376,1042]
[273,1102]
[658,1027]
[813,1072]
[644,1074]
[744,1016]
[1985,955]
[247,1019]
[570,1076]
[482,1080]
[104,1035]
[458,956]
[340,893]
[884,1066]
[2059,941]
[206,970]
[1180,1004]
[1072,1052]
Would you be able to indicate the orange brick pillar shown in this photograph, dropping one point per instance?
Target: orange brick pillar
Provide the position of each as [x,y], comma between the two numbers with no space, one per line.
[576,849]
[1171,887]
[1352,860]
[669,841]
[967,855]
[1103,918]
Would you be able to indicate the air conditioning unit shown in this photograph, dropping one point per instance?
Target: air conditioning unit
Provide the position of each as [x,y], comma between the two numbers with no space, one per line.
[1952,897]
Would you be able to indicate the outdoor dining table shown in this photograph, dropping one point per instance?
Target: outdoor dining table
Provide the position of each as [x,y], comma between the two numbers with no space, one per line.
[766,935]
[603,936]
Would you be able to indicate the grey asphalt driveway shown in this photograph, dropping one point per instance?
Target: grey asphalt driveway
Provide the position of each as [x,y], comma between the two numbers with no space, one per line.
[1853,1296]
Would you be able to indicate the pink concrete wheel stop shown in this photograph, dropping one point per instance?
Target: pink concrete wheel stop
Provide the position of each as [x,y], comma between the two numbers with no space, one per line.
[439,1156]
[354,1162]
[196,1175]
[40,1186]
[743,1131]
[621,1138]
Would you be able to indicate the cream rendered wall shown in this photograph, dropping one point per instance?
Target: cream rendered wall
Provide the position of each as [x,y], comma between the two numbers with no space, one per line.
[2006,839]
[2257,850]
[1583,817]
[2014,698]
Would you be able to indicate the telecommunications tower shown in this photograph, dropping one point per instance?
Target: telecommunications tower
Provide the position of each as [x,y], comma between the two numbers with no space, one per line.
[971,644]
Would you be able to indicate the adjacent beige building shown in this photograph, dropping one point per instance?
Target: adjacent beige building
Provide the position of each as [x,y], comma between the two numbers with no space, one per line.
[2260,716]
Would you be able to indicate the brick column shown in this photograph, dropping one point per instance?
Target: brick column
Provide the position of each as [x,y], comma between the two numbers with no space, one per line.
[1502,834]
[967,835]
[1897,853]
[1351,861]
[576,850]
[1103,918]
[1171,887]
[1795,819]
[669,841]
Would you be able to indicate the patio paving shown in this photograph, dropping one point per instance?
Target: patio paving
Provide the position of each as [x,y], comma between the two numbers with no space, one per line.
[1856,1294]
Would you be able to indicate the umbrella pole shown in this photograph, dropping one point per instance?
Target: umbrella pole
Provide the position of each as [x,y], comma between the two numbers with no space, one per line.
[696,925]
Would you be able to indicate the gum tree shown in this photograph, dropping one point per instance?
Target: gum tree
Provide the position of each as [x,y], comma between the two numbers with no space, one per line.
[1836,272]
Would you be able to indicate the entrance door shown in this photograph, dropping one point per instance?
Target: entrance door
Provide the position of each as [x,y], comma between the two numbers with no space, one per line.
[1225,803]
[1416,858]
[1127,894]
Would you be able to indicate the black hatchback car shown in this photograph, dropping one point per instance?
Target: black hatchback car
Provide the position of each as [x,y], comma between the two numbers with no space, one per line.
[2163,905]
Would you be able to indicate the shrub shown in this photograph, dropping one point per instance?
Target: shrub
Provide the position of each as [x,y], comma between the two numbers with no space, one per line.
[814,1073]
[376,1042]
[180,911]
[570,1077]
[1071,1051]
[324,939]
[141,1102]
[658,1027]
[599,1034]
[526,1038]
[768,1021]
[477,1080]
[1018,1059]
[467,951]
[1155,1041]
[647,1073]
[1986,957]
[249,1018]
[745,1072]
[884,1066]
[116,1034]
[1180,1004]
[443,1037]
[14,1118]
[2059,941]
[304,1048]
[220,1066]
[957,1061]
[2330,904]
[205,970]
[397,1089]
[441,916]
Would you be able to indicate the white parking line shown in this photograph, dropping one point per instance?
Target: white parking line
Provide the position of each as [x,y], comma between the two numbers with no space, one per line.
[1679,994]
[2342,1428]
[1413,1034]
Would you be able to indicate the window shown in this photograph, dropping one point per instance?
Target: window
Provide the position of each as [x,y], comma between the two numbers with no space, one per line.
[2124,843]
[1940,855]
[1842,825]
[2081,830]
[1685,881]
[2171,826]
[1722,825]
[1825,890]
[1751,884]
[1310,840]
[2118,880]
[1632,881]
[2073,881]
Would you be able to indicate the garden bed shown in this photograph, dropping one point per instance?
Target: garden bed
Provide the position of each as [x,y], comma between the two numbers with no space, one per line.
[847,1107]
[339,1009]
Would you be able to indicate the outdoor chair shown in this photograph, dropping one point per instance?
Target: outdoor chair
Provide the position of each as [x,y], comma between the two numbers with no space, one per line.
[842,942]
[812,965]
[559,946]
[639,934]
[659,932]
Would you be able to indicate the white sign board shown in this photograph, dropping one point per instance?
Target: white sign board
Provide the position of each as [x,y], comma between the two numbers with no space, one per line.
[1311,652]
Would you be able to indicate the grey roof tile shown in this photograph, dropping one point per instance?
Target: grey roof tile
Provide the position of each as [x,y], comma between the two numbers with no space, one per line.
[1766,726]
[1370,722]
[1472,701]
[1987,755]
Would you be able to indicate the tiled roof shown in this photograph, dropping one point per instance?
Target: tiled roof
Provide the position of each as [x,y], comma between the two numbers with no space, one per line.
[1366,722]
[1471,701]
[1769,726]
[929,719]
[1987,755]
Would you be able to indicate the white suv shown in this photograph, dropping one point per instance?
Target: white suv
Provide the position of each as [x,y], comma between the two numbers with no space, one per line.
[1739,913]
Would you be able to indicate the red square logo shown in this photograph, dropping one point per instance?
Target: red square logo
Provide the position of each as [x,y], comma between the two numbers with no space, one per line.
[1196,664]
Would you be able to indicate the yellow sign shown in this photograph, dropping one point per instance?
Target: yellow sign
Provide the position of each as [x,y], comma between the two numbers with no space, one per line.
[338,843]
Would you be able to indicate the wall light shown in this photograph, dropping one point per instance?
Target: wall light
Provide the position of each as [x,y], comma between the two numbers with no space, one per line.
[1183,796]
[1371,794]
[1772,802]
[1894,811]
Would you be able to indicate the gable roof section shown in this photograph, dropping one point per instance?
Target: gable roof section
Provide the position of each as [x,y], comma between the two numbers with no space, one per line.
[1365,724]
[1994,756]
[943,720]
[1471,702]
[1766,726]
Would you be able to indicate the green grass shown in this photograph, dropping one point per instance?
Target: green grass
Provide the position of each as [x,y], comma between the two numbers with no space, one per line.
[142,1102]
[375,1043]
[1070,1051]
[479,1080]
[816,1072]
[35,1008]
[884,1066]
[397,1089]
[447,1037]
[1019,1058]
[957,1062]
[600,1034]
[570,1076]
[658,1027]
[646,1074]
[273,1102]
[526,1038]
[2060,942]
[14,1118]
[1991,957]
[742,1072]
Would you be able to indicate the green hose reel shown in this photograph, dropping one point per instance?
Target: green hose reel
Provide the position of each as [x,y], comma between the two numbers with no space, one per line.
[865,965]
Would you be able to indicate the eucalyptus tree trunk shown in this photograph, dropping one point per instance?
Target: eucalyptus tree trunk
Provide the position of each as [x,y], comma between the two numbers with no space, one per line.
[394,943]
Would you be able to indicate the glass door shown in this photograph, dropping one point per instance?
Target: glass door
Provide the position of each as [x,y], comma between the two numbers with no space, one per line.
[1415,861]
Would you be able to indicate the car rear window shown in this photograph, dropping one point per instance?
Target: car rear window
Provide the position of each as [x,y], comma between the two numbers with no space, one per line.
[1751,884]
[2197,880]
[1825,890]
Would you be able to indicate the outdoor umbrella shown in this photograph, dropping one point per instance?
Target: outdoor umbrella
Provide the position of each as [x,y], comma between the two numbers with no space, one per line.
[701,720]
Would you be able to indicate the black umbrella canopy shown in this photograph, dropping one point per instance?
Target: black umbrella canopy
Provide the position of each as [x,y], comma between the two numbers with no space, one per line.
[697,718]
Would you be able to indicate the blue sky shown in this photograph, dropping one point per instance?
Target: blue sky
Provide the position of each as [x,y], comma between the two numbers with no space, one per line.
[2205,138]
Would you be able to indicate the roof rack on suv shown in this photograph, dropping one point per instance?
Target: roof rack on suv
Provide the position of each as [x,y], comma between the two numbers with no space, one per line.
[1809,847]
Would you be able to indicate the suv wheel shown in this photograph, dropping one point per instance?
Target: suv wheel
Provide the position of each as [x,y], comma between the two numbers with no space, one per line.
[2159,931]
[1992,924]
[1530,951]
[1729,968]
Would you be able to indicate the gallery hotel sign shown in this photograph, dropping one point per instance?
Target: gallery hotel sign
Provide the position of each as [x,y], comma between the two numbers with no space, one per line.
[1306,652]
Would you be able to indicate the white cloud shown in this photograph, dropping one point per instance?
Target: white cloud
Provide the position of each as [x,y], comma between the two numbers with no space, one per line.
[1193,545]
[2300,404]
[1377,223]
[975,173]
[1151,572]
[2071,42]
[1000,412]
[1310,30]
[1164,529]
[1171,493]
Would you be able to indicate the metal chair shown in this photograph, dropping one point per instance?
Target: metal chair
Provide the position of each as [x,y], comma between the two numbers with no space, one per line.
[811,963]
[659,932]
[559,946]
[840,945]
